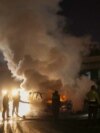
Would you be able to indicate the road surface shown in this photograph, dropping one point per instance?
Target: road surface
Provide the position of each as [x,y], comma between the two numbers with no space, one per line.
[69,125]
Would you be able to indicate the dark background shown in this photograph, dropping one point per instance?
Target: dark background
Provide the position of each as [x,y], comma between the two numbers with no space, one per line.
[82,17]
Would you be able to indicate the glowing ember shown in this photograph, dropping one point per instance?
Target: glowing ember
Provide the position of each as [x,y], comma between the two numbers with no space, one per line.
[49,101]
[63,98]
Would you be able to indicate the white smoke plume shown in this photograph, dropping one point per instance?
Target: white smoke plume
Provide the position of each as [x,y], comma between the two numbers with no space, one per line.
[35,48]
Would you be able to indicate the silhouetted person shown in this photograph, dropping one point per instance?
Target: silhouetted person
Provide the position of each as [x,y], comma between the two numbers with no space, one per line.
[5,113]
[93,103]
[16,100]
[55,104]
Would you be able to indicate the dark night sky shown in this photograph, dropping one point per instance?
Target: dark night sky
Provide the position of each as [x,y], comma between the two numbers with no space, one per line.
[83,17]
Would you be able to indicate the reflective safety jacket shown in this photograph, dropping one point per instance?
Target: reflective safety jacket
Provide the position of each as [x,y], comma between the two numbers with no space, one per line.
[93,96]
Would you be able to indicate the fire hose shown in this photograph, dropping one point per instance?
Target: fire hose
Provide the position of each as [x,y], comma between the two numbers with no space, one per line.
[23,117]
[37,94]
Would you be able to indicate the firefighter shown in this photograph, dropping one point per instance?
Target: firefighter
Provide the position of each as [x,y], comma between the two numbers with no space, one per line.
[55,104]
[16,100]
[5,113]
[93,103]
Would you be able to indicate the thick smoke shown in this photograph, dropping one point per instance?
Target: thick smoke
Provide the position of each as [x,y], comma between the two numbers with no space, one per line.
[34,46]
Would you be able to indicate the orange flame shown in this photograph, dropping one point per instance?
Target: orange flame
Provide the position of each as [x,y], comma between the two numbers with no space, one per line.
[63,98]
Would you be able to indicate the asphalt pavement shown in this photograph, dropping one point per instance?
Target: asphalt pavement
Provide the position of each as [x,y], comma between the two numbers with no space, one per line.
[71,124]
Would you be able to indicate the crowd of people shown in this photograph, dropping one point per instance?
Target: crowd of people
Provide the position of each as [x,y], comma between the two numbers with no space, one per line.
[92,99]
[15,104]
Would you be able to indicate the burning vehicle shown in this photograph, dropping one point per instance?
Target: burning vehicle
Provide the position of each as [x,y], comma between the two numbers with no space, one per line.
[35,103]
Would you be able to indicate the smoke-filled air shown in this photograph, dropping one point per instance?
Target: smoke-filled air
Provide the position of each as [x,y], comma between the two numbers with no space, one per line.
[37,51]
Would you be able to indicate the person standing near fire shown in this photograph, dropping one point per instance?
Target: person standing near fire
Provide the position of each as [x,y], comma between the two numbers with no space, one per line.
[5,113]
[93,100]
[16,100]
[55,104]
